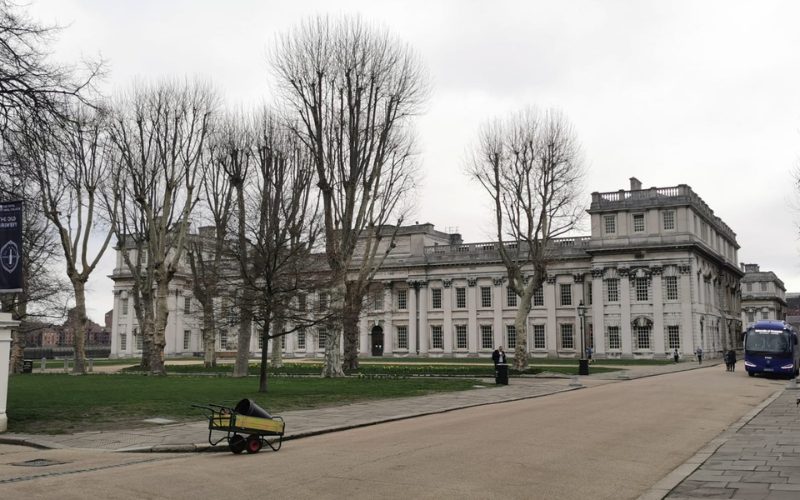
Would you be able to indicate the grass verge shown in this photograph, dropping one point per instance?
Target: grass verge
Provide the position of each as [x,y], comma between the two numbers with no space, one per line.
[56,403]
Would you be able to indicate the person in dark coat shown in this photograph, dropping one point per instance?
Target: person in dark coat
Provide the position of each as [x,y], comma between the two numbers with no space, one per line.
[498,356]
[675,354]
[732,360]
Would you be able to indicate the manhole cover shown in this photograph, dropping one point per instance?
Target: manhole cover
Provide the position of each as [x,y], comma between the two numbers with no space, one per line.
[38,462]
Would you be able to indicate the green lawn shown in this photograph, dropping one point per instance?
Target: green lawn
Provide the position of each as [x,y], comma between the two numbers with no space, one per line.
[60,403]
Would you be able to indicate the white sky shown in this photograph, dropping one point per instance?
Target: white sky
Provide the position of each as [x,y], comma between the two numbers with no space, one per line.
[704,93]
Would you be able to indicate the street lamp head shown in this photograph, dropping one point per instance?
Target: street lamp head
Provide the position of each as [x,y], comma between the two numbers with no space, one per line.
[581,309]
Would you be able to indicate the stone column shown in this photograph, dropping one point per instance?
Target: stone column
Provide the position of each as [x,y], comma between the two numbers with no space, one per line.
[497,310]
[447,307]
[550,292]
[364,331]
[424,333]
[388,328]
[472,322]
[687,304]
[411,298]
[659,346]
[625,313]
[115,325]
[598,325]
[6,324]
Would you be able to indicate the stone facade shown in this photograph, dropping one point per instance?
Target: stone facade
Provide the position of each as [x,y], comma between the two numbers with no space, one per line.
[763,295]
[657,272]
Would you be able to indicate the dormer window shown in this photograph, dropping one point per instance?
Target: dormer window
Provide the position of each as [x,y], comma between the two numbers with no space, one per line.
[638,223]
[610,224]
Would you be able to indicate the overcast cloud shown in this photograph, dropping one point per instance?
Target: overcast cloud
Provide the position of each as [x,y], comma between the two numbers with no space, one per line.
[697,92]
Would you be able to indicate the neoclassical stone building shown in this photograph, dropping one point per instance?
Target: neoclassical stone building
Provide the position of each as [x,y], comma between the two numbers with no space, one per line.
[763,295]
[658,272]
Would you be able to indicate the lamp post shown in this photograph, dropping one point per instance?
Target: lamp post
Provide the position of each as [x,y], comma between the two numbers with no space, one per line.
[583,363]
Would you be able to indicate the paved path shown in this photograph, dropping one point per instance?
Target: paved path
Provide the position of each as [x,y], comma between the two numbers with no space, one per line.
[757,458]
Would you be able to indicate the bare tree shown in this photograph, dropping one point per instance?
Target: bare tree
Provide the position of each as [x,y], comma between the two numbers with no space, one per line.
[158,132]
[354,90]
[71,164]
[30,84]
[280,228]
[531,166]
[208,250]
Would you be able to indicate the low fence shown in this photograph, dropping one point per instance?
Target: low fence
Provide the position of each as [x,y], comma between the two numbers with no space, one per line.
[64,352]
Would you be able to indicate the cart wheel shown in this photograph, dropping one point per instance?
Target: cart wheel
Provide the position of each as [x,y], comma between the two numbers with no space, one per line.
[237,443]
[253,444]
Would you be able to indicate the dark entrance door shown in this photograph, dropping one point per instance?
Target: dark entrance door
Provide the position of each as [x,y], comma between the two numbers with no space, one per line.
[377,341]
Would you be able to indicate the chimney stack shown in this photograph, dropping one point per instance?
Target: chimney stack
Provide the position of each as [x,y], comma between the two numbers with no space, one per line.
[636,184]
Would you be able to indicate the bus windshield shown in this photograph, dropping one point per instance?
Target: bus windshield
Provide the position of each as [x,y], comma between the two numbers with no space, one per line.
[768,341]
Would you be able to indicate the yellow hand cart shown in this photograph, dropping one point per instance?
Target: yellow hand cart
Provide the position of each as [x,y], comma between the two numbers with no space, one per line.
[243,432]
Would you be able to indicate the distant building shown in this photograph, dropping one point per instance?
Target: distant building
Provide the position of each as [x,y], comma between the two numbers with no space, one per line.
[658,272]
[763,295]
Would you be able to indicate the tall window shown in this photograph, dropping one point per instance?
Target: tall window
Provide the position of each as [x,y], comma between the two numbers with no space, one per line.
[402,337]
[638,223]
[124,307]
[511,297]
[402,300]
[223,339]
[377,300]
[322,338]
[674,336]
[486,337]
[301,302]
[642,337]
[610,224]
[301,339]
[187,305]
[187,337]
[323,301]
[511,336]
[566,294]
[538,337]
[763,286]
[614,341]
[283,342]
[486,296]
[751,316]
[139,337]
[567,336]
[749,287]
[461,298]
[671,287]
[436,298]
[764,314]
[260,335]
[612,290]
[642,289]
[669,219]
[437,339]
[538,297]
[461,337]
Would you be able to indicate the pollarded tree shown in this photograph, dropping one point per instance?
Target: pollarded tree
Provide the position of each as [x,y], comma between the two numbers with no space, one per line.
[72,164]
[353,90]
[530,164]
[158,131]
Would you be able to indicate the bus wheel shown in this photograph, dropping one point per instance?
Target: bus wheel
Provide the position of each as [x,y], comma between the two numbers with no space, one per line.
[750,373]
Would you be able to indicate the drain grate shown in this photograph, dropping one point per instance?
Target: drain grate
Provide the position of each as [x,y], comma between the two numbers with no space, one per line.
[38,462]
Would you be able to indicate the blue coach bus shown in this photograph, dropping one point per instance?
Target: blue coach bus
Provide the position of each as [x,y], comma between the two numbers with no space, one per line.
[771,347]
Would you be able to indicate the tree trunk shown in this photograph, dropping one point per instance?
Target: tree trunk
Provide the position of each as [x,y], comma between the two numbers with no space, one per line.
[159,330]
[333,359]
[263,382]
[79,327]
[520,325]
[350,325]
[209,331]
[277,351]
[241,366]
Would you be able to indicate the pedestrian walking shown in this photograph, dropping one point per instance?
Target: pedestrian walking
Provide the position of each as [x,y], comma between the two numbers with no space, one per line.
[726,356]
[732,359]
[589,354]
[675,354]
[699,353]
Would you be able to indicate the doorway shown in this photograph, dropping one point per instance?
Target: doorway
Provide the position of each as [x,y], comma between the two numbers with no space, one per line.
[377,341]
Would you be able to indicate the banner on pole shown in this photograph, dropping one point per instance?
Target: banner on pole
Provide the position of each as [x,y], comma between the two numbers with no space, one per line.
[10,246]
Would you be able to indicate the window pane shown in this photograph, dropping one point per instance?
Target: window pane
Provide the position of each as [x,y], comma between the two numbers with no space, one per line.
[567,337]
[437,340]
[638,223]
[669,219]
[461,298]
[566,294]
[486,296]
[674,337]
[613,338]
[610,224]
[511,298]
[461,337]
[538,297]
[402,337]
[511,336]
[538,337]
[402,297]
[487,342]
[612,290]
[436,298]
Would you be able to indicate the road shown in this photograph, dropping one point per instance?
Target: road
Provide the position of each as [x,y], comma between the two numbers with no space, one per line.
[609,441]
